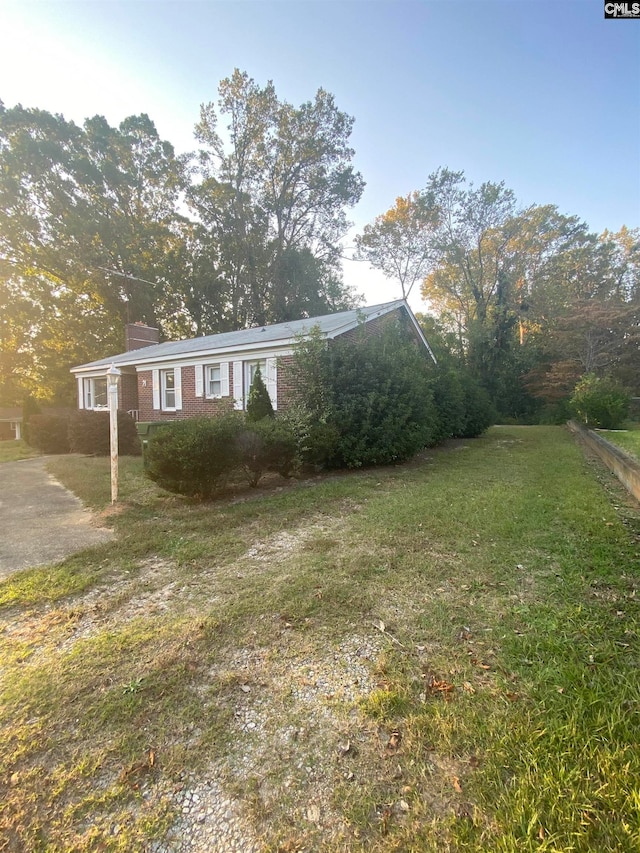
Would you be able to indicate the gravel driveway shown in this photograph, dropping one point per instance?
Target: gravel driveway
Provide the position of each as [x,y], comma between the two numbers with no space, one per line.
[40,520]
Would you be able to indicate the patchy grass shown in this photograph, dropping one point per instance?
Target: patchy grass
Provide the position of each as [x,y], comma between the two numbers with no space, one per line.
[14,451]
[438,656]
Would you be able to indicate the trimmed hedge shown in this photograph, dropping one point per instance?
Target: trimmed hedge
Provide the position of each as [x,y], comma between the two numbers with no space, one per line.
[268,445]
[89,433]
[195,457]
[49,433]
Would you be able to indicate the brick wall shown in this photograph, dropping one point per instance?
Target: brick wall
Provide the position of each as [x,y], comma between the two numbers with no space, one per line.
[192,406]
[288,385]
[128,392]
[379,324]
[138,335]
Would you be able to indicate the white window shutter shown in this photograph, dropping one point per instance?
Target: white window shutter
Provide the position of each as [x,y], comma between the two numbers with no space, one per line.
[177,384]
[272,381]
[199,368]
[224,378]
[80,393]
[155,384]
[238,400]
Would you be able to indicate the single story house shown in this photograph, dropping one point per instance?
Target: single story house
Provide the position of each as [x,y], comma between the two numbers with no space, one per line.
[10,424]
[212,374]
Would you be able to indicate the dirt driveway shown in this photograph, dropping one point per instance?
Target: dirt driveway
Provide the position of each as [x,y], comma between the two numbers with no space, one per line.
[40,521]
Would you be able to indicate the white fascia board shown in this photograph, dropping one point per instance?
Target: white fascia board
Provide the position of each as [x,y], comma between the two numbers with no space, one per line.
[353,324]
[93,372]
[418,329]
[209,357]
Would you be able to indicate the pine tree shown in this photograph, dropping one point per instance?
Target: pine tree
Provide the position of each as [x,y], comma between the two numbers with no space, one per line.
[259,403]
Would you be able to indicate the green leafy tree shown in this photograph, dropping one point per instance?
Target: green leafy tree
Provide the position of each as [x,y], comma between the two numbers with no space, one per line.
[400,241]
[600,402]
[277,193]
[85,220]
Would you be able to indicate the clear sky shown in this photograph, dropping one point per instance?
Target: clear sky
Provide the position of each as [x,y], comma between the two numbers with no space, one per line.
[542,94]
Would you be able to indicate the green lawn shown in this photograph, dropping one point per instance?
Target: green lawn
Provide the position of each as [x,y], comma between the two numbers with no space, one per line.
[627,439]
[438,656]
[13,451]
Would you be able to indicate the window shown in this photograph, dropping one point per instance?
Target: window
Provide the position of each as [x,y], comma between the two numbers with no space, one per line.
[168,389]
[214,381]
[251,368]
[95,393]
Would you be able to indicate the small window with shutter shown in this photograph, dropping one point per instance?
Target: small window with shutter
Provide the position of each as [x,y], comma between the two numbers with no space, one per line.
[214,381]
[168,389]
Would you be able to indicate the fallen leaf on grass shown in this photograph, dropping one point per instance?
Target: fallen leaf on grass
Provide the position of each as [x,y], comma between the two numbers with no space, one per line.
[393,744]
[468,686]
[313,813]
[479,663]
[456,785]
[346,748]
[437,685]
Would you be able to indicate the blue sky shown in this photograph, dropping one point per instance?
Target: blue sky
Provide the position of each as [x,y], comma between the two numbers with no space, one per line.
[542,94]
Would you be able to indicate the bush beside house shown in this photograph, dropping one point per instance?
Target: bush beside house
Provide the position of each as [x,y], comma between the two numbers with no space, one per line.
[49,433]
[372,401]
[196,457]
[83,432]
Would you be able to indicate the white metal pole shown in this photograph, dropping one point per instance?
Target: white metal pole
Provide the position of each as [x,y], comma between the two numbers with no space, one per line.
[112,384]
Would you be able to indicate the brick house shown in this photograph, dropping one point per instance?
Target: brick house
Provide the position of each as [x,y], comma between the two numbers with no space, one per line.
[213,374]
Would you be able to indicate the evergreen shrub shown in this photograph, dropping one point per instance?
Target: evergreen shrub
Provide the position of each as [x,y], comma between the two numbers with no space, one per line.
[49,433]
[268,445]
[259,403]
[195,457]
[449,402]
[89,433]
[316,440]
[600,402]
[479,413]
[374,392]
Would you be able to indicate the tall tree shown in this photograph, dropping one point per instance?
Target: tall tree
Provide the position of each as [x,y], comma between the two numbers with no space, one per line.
[534,299]
[278,188]
[85,219]
[400,241]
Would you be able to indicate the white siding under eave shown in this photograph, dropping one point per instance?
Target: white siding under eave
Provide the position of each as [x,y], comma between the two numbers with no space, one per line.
[272,381]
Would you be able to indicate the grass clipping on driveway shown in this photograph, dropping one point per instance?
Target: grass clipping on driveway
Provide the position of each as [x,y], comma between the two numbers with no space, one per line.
[438,656]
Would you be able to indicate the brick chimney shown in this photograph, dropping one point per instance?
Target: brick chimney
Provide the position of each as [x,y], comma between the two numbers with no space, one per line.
[139,335]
